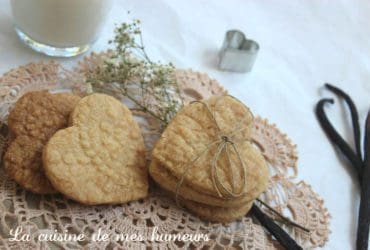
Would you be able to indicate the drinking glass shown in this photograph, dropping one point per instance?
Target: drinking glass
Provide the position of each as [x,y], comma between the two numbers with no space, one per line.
[61,28]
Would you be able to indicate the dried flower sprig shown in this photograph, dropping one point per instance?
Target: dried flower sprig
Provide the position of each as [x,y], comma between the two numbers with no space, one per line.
[151,86]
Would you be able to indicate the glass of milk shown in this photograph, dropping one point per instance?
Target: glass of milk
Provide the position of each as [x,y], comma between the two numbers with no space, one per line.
[59,27]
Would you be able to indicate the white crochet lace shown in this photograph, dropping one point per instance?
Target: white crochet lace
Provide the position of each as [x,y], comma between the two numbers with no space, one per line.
[43,214]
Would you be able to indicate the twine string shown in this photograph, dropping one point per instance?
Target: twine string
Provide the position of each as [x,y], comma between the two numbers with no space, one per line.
[233,184]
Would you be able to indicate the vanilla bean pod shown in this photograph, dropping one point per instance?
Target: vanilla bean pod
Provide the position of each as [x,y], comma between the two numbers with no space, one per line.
[362,166]
[354,115]
[335,137]
[364,214]
[274,229]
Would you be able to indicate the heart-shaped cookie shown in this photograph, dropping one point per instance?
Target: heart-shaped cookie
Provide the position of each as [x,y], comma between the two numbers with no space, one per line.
[100,159]
[205,156]
[34,119]
[192,131]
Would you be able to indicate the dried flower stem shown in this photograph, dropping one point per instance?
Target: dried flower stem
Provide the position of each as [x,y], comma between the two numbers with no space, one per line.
[150,86]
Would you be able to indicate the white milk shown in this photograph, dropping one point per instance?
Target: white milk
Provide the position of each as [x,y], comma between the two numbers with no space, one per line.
[60,23]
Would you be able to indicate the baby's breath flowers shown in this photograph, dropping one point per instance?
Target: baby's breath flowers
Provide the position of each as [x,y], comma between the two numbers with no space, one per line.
[151,86]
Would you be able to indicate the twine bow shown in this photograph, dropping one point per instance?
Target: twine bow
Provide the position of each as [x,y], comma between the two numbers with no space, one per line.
[223,143]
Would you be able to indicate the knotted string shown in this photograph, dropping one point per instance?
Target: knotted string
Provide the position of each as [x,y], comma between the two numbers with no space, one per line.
[223,143]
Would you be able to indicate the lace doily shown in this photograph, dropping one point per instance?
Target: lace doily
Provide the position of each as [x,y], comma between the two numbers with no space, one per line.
[44,214]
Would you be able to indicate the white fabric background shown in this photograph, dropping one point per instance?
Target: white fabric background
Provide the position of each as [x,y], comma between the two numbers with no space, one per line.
[303,44]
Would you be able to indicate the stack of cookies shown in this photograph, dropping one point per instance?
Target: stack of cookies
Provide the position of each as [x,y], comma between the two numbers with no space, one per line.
[89,149]
[205,160]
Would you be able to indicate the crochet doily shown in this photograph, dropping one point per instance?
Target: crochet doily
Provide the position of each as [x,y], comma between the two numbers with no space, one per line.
[38,214]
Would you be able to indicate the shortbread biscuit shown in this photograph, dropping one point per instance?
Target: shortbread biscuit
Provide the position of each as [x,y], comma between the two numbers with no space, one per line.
[168,182]
[214,213]
[34,119]
[191,135]
[100,159]
[218,214]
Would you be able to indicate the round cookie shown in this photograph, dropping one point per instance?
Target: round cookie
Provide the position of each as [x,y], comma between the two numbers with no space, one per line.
[100,159]
[34,119]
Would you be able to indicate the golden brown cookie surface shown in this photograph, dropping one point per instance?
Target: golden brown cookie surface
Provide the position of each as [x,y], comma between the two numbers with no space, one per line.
[100,159]
[34,119]
[192,135]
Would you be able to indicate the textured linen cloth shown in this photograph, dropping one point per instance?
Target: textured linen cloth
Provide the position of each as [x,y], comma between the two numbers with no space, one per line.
[302,45]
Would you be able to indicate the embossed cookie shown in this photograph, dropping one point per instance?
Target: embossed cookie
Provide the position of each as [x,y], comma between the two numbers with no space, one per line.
[193,129]
[34,119]
[100,158]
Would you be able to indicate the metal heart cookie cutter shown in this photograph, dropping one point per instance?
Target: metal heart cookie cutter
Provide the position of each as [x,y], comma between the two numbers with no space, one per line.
[238,53]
